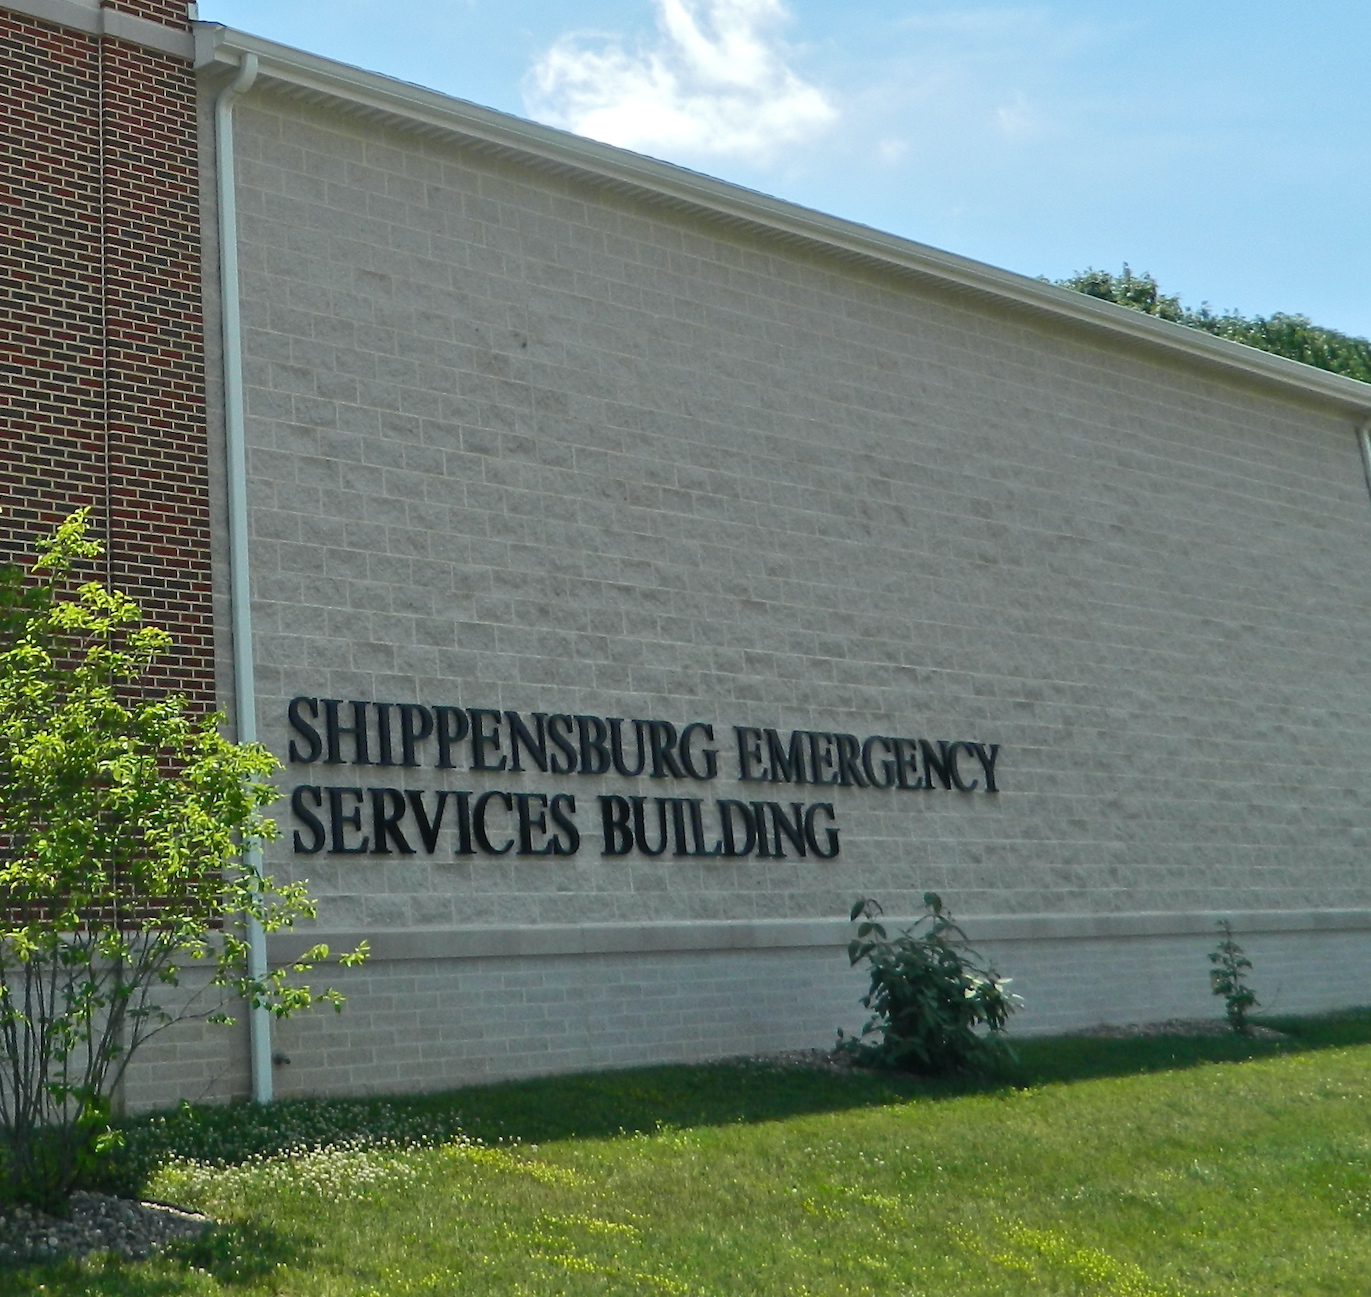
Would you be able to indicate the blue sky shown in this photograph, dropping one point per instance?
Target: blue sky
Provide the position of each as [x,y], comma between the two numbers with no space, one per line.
[1224,146]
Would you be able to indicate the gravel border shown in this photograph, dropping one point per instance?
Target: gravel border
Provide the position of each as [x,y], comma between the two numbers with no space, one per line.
[828,1060]
[98,1223]
[1175,1027]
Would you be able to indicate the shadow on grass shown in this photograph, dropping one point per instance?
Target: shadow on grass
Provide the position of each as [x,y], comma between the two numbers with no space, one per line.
[638,1100]
[238,1254]
[106,1277]
[644,1099]
[1062,1059]
[242,1253]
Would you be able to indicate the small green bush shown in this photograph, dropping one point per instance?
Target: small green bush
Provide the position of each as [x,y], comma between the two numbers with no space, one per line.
[935,1007]
[1228,978]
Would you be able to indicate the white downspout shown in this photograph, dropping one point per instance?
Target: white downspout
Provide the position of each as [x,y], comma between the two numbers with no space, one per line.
[235,439]
[1364,441]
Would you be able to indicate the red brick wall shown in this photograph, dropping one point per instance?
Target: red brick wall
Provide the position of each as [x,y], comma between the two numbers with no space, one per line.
[170,12]
[100,316]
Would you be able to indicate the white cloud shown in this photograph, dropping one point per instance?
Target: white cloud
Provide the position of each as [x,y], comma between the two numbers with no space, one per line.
[891,150]
[714,81]
[1019,120]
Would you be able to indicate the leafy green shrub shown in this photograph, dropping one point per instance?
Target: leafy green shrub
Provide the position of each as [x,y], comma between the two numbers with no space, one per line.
[123,819]
[934,1005]
[1228,978]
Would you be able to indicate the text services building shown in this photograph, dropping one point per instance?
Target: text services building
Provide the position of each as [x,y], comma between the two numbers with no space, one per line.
[630,571]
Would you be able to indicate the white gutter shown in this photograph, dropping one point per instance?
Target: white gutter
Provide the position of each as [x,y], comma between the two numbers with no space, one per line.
[240,590]
[440,116]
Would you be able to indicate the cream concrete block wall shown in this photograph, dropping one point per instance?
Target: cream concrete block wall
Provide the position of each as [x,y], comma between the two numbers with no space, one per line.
[197,1060]
[431,1024]
[517,441]
[1071,984]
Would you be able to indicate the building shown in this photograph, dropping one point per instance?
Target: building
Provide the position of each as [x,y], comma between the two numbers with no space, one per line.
[641,569]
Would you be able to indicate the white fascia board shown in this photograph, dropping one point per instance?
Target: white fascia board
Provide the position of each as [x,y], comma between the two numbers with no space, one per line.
[221,48]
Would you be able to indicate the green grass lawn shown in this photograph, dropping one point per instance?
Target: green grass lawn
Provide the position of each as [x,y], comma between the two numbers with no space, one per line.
[1117,1168]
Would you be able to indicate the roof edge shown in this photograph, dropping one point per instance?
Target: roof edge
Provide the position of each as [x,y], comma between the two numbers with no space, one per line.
[222,48]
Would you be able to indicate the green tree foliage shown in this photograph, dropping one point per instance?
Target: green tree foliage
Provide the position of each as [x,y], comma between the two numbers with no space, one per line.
[1293,336]
[121,822]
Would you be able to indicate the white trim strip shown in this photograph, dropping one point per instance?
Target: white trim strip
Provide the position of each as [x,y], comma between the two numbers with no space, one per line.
[219,49]
[401,944]
[87,16]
